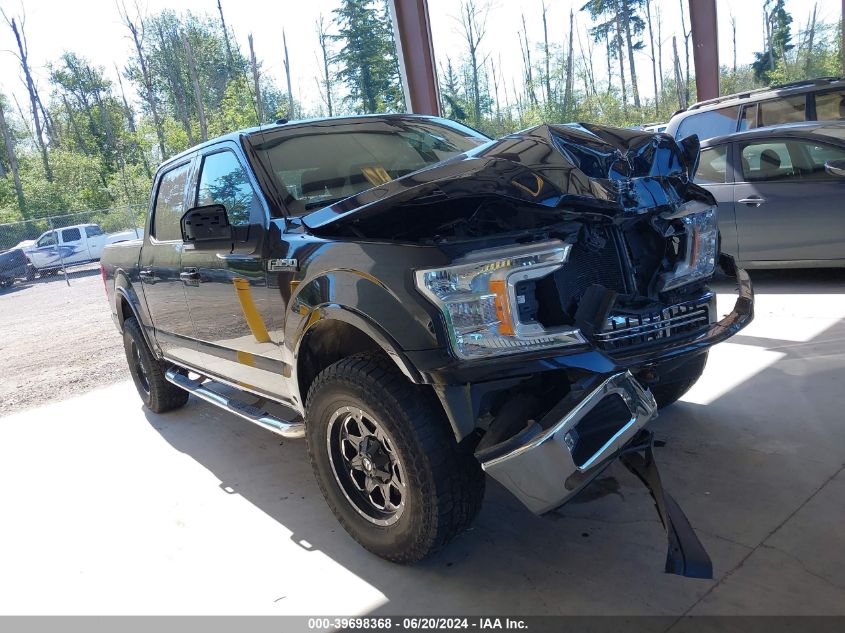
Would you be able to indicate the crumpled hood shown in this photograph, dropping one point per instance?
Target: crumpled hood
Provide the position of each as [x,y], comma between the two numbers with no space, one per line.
[578,167]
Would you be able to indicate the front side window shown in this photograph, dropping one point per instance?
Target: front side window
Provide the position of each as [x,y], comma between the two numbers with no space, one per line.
[314,166]
[782,110]
[709,124]
[169,204]
[224,181]
[766,162]
[830,106]
[71,235]
[47,240]
[712,165]
[792,160]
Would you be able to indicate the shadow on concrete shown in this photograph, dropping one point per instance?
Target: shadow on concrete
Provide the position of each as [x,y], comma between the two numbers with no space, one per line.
[738,466]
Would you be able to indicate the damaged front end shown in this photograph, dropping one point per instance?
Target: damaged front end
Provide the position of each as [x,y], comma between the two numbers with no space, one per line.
[574,278]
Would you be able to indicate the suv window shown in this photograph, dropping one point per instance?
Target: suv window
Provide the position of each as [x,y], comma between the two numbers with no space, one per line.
[224,181]
[169,202]
[71,235]
[47,240]
[93,231]
[711,166]
[782,110]
[709,124]
[815,156]
[830,106]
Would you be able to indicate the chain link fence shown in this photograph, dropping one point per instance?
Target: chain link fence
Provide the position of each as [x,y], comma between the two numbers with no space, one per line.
[63,247]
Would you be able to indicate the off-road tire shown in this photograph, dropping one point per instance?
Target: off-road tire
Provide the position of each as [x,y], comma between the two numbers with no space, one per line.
[444,482]
[670,392]
[159,396]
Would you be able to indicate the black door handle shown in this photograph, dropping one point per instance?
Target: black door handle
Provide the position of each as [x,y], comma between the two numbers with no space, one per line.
[190,276]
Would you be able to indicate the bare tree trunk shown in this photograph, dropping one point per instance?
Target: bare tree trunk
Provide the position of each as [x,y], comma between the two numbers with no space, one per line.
[529,73]
[496,90]
[192,69]
[230,60]
[570,54]
[259,106]
[810,37]
[659,46]
[635,91]
[653,59]
[23,58]
[12,157]
[546,54]
[149,90]
[324,48]
[473,21]
[130,120]
[609,67]
[686,52]
[590,87]
[291,113]
[679,78]
[620,49]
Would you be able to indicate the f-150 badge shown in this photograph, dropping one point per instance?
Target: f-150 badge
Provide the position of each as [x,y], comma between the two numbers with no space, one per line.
[282,265]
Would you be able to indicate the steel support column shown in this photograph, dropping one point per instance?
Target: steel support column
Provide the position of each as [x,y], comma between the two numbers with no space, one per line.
[705,47]
[412,32]
[843,37]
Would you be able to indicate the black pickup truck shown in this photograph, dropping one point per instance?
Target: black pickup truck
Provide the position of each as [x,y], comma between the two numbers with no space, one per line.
[432,305]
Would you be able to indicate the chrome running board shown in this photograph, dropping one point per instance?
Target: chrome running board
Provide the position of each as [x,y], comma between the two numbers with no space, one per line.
[291,430]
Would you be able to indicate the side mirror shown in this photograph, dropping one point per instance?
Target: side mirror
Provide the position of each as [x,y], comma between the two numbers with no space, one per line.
[835,167]
[206,224]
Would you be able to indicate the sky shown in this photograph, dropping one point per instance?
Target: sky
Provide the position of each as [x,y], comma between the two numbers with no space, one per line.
[93,29]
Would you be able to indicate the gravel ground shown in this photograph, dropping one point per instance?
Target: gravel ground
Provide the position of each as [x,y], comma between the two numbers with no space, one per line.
[56,341]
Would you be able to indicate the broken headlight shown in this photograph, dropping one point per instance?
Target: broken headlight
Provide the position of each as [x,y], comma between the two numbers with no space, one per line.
[478,299]
[700,250]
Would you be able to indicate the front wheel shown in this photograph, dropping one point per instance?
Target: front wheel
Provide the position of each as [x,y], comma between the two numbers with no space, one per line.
[147,372]
[386,460]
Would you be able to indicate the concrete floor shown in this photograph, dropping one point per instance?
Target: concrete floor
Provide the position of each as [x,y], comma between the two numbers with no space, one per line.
[107,508]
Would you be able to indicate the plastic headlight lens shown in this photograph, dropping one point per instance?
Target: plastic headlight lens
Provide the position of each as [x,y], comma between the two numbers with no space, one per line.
[702,233]
[476,293]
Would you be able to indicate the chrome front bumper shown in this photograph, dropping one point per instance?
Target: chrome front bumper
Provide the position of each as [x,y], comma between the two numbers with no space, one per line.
[544,466]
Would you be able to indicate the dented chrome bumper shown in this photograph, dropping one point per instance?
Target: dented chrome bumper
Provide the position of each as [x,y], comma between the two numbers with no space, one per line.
[548,462]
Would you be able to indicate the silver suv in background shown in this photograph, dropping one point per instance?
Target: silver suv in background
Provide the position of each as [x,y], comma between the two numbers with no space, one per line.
[820,99]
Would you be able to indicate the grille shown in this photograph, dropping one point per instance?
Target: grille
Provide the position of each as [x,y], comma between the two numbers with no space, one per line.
[630,330]
[588,266]
[598,426]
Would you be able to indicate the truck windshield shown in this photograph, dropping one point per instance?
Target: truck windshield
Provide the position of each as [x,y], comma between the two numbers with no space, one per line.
[317,164]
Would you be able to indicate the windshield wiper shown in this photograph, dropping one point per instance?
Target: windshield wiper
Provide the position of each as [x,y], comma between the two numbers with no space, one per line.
[322,203]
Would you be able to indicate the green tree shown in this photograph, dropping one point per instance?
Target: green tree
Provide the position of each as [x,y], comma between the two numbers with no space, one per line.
[366,59]
[778,38]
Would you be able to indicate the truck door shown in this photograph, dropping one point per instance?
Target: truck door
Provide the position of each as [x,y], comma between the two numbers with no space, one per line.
[74,248]
[227,289]
[160,266]
[96,240]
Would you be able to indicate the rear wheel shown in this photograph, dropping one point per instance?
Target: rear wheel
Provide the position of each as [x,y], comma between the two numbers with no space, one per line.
[386,460]
[667,393]
[147,372]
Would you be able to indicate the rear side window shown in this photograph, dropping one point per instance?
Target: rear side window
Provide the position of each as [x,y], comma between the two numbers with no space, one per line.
[71,235]
[93,231]
[169,204]
[709,124]
[224,181]
[711,166]
[782,110]
[830,106]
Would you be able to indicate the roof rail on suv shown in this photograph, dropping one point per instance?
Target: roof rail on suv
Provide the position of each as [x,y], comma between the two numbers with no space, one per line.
[818,81]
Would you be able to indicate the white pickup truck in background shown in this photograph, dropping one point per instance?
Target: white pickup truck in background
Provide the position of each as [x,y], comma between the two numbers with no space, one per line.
[72,245]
